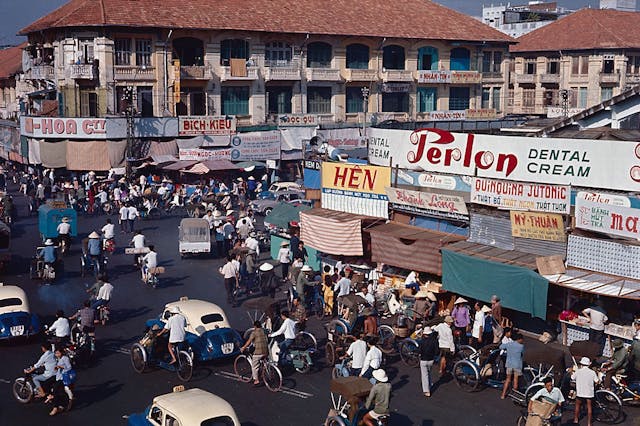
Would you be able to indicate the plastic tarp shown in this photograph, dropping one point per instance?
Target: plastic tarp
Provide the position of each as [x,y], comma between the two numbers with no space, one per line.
[117,150]
[53,155]
[332,232]
[295,138]
[519,288]
[88,156]
[284,213]
[34,151]
[203,141]
[163,148]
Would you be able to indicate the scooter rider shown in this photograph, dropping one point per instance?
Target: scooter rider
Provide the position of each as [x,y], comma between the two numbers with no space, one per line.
[60,328]
[94,248]
[48,253]
[64,232]
[104,294]
[288,328]
[108,233]
[48,361]
[150,260]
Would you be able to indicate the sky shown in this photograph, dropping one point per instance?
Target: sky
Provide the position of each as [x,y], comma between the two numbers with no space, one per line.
[17,14]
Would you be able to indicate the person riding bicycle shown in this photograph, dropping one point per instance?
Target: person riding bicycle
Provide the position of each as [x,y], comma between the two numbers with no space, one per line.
[87,317]
[617,364]
[104,294]
[94,248]
[548,393]
[150,260]
[48,361]
[258,338]
[379,396]
[175,325]
[48,253]
[64,232]
[108,235]
[299,314]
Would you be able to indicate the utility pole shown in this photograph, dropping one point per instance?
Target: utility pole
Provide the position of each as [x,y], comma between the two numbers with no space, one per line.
[365,108]
[564,94]
[129,113]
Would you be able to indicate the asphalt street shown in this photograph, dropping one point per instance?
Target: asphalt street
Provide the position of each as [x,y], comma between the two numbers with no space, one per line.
[109,389]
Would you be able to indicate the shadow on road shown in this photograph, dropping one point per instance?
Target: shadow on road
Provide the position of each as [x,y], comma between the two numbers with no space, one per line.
[172,282]
[85,396]
[121,315]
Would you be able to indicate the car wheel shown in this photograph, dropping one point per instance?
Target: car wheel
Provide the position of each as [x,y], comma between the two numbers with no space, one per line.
[267,211]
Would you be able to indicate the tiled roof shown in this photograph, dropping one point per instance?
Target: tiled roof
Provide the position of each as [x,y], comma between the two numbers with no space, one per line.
[415,19]
[584,30]
[11,61]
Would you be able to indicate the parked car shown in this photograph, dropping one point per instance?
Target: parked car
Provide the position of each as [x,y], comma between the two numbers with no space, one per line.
[301,202]
[16,321]
[265,206]
[209,334]
[186,408]
[275,188]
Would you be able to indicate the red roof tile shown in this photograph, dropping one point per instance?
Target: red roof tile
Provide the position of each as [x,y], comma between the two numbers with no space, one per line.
[416,19]
[11,61]
[583,30]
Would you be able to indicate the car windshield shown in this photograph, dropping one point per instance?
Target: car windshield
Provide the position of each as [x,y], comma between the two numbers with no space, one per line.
[11,301]
[209,318]
[218,421]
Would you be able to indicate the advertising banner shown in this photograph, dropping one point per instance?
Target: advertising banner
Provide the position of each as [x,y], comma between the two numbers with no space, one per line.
[205,154]
[446,115]
[432,180]
[427,203]
[294,120]
[466,77]
[507,195]
[206,125]
[427,76]
[63,128]
[607,218]
[588,163]
[481,114]
[537,226]
[256,146]
[342,138]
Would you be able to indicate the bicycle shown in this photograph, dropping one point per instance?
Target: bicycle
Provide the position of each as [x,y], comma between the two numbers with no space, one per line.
[268,371]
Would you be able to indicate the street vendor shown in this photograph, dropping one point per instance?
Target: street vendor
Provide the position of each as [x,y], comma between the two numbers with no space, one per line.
[597,320]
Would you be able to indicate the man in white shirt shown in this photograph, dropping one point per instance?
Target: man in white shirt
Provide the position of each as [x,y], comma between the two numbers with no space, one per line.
[150,260]
[586,380]
[343,286]
[252,243]
[104,295]
[108,230]
[230,273]
[445,342]
[288,328]
[175,325]
[64,231]
[373,358]
[132,215]
[357,351]
[364,293]
[138,240]
[102,196]
[60,327]
[48,361]
[597,319]
[124,218]
[412,281]
[478,325]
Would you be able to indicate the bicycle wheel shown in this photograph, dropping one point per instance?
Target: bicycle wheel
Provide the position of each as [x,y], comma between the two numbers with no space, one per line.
[522,421]
[242,368]
[607,407]
[272,377]
[466,376]
[464,352]
[306,340]
[410,353]
[138,358]
[387,341]
[185,366]
[330,353]
[23,390]
[318,307]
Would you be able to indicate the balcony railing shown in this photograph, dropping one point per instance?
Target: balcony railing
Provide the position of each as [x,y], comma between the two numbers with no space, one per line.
[633,78]
[550,78]
[610,77]
[492,77]
[195,72]
[130,73]
[397,75]
[525,78]
[323,74]
[82,71]
[42,72]
[282,73]
[351,74]
[225,74]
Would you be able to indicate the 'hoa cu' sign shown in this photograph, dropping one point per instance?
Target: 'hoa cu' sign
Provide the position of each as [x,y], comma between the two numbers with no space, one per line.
[431,146]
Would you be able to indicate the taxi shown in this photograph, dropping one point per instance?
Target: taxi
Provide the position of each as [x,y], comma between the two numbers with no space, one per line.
[16,321]
[193,407]
[208,334]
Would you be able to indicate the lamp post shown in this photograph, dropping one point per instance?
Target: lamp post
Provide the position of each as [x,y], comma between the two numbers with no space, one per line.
[365,108]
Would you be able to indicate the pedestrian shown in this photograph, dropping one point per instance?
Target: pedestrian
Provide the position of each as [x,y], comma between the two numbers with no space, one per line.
[514,350]
[230,273]
[445,342]
[597,320]
[586,380]
[258,338]
[372,359]
[303,281]
[379,396]
[478,325]
[428,351]
[284,257]
[487,329]
[132,215]
[461,319]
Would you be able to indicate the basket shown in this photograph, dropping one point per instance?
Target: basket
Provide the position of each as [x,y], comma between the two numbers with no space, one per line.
[401,331]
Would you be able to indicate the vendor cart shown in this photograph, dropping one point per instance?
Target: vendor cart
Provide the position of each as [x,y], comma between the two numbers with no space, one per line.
[50,216]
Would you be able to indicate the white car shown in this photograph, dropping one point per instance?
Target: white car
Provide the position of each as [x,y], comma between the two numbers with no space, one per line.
[284,186]
[15,318]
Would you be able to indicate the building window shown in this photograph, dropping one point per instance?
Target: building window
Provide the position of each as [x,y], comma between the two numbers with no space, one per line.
[279,98]
[86,51]
[486,97]
[358,56]
[319,55]
[393,57]
[530,66]
[550,98]
[460,59]
[233,49]
[495,99]
[608,66]
[492,61]
[458,98]
[529,98]
[579,65]
[121,99]
[427,99]
[428,58]
[189,50]
[553,66]
[235,100]
[277,53]
[395,102]
[143,52]
[573,97]
[582,97]
[123,51]
[319,100]
[606,93]
[88,104]
[145,101]
[633,65]
[354,100]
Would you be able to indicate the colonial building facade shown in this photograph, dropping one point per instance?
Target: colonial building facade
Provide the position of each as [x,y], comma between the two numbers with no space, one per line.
[405,64]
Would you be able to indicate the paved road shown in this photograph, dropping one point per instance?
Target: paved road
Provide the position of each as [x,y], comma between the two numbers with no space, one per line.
[110,389]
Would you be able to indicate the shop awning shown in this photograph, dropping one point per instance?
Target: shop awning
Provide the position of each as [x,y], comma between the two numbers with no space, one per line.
[477,271]
[597,283]
[160,159]
[284,213]
[179,165]
[332,232]
[88,156]
[397,245]
[220,165]
[53,154]
[163,148]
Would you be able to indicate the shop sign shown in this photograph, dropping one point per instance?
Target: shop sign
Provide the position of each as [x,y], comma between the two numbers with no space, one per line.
[342,138]
[465,77]
[206,125]
[63,128]
[355,178]
[607,218]
[509,195]
[454,115]
[613,199]
[427,203]
[427,76]
[537,226]
[586,163]
[557,112]
[396,87]
[293,120]
[198,154]
[256,146]
[481,114]
[312,164]
[431,180]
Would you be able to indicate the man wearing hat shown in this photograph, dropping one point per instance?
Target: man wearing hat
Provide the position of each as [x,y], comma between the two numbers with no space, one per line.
[175,325]
[461,319]
[618,362]
[586,380]
[268,282]
[428,351]
[302,281]
[284,257]
[48,253]
[94,247]
[445,342]
[379,396]
[64,232]
[252,243]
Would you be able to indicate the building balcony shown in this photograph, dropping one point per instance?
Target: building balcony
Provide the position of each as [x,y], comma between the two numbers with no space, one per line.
[82,72]
[466,77]
[323,74]
[195,72]
[549,78]
[282,73]
[42,72]
[525,78]
[351,74]
[579,79]
[492,77]
[225,74]
[610,78]
[633,79]
[397,75]
[131,73]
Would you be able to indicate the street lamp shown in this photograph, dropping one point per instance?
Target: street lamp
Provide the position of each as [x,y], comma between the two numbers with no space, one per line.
[365,108]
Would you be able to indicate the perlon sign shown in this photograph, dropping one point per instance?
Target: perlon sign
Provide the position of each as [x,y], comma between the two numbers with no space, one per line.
[597,163]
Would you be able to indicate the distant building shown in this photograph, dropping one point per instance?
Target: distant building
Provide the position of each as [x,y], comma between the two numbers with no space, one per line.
[519,20]
[623,5]
[12,85]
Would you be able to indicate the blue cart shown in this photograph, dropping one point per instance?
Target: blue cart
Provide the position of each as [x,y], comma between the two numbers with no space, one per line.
[49,217]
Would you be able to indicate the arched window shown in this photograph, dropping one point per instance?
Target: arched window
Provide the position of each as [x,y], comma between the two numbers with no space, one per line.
[233,49]
[460,59]
[277,53]
[189,50]
[357,56]
[428,58]
[393,57]
[319,55]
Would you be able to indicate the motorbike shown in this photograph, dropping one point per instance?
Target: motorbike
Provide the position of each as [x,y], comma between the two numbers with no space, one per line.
[24,388]
[109,245]
[300,358]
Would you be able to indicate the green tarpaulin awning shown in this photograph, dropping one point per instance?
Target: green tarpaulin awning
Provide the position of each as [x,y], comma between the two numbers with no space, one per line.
[519,288]
[284,213]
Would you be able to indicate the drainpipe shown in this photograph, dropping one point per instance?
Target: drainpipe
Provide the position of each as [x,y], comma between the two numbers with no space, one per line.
[165,101]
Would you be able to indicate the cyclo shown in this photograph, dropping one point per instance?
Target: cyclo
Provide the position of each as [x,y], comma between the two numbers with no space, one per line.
[346,395]
[151,351]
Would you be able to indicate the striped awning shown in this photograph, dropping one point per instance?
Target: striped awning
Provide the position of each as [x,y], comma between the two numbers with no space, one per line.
[332,232]
[597,283]
[84,155]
